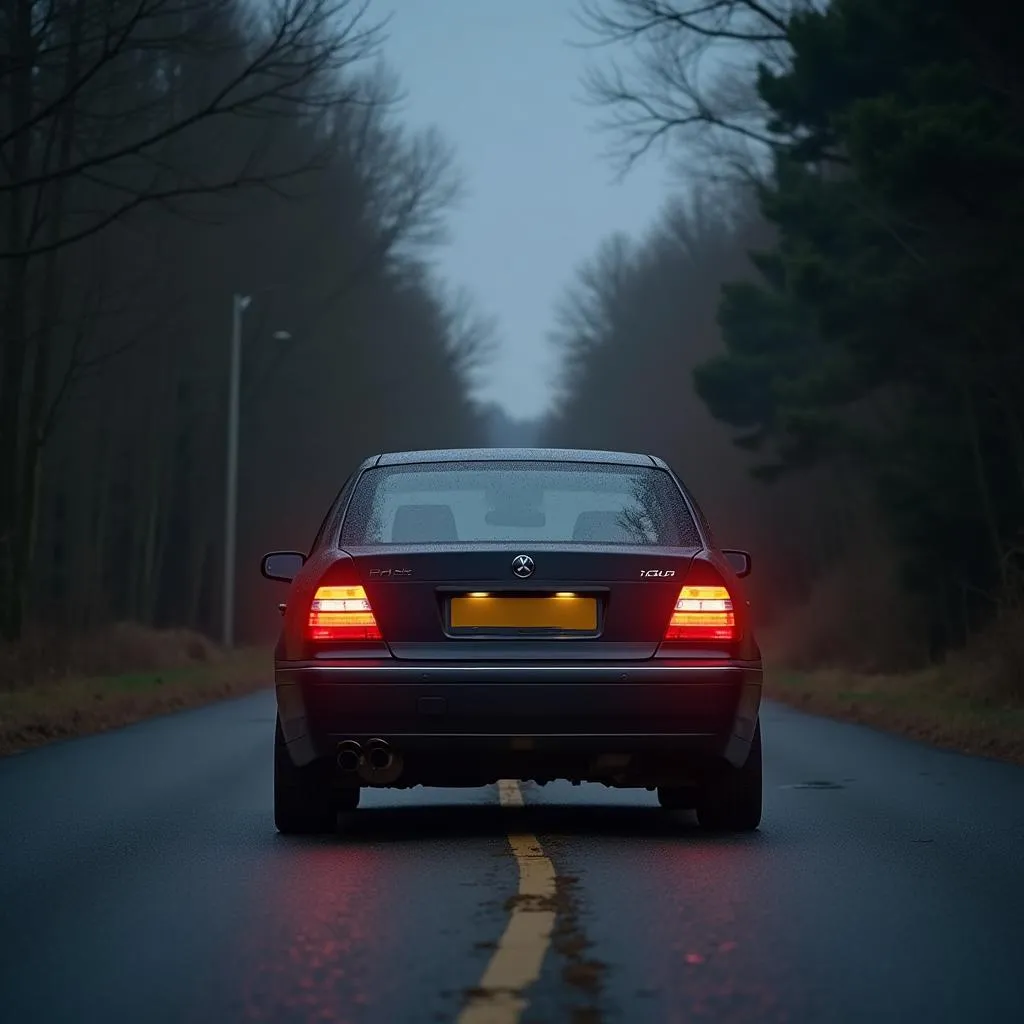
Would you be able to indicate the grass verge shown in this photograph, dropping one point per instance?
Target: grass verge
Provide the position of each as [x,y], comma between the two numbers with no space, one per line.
[936,705]
[81,705]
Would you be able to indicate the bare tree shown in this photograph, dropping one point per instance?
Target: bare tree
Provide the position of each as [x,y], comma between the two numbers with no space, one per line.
[472,334]
[412,181]
[123,118]
[688,74]
[136,136]
[585,314]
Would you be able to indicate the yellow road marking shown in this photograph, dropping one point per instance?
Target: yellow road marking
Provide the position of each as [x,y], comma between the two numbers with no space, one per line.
[517,961]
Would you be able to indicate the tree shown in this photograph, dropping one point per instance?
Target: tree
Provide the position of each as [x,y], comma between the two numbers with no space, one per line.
[102,105]
[887,326]
[158,158]
[639,318]
[873,361]
[690,76]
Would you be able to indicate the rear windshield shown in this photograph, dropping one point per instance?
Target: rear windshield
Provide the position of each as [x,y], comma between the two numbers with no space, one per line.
[565,503]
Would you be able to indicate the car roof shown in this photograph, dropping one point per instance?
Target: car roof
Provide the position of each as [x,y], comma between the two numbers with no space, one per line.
[514,455]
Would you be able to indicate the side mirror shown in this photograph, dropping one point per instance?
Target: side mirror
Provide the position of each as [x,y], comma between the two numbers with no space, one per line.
[282,565]
[740,562]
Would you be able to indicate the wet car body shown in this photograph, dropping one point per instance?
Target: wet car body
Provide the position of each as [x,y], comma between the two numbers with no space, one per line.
[466,615]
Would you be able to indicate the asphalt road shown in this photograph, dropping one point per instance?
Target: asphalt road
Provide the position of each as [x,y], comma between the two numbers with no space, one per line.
[141,880]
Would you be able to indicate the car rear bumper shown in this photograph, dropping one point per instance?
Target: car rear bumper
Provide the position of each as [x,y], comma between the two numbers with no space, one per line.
[657,707]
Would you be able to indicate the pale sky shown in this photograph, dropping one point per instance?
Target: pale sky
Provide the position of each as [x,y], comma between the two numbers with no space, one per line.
[501,82]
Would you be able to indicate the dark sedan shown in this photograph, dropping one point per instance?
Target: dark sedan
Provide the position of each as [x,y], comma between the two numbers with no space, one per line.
[470,615]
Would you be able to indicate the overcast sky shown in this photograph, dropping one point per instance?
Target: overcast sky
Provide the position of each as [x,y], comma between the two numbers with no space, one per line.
[500,80]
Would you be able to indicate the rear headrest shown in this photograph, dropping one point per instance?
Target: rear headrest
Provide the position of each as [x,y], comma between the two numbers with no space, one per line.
[601,528]
[423,524]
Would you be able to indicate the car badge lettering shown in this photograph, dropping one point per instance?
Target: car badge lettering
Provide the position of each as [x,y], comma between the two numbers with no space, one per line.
[522,566]
[378,573]
[661,573]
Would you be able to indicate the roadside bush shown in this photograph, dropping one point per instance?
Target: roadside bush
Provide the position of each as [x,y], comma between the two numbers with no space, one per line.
[116,649]
[856,617]
[992,664]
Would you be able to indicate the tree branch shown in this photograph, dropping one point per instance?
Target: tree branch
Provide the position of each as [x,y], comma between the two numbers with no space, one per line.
[690,69]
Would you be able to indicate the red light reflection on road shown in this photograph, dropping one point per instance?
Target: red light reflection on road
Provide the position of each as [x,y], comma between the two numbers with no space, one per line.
[714,957]
[314,947]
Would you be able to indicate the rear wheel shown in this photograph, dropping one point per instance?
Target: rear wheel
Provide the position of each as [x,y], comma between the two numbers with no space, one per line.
[677,798]
[304,801]
[347,799]
[731,801]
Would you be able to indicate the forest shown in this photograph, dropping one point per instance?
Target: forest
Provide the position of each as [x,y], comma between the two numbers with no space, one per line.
[821,330]
[824,332]
[158,158]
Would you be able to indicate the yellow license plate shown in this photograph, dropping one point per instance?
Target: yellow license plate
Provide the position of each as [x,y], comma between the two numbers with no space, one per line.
[575,614]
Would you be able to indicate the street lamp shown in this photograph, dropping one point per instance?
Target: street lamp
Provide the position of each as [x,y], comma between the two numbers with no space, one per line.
[240,303]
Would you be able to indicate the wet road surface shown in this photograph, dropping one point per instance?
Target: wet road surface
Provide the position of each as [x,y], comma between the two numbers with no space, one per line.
[141,880]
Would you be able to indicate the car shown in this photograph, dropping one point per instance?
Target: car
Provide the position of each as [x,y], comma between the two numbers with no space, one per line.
[470,615]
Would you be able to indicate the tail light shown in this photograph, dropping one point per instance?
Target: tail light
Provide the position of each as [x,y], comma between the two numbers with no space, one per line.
[342,613]
[704,609]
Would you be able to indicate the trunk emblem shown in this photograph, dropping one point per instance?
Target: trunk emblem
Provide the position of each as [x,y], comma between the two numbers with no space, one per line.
[522,566]
[663,573]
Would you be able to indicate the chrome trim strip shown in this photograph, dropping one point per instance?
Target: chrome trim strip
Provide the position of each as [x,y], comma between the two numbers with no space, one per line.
[544,735]
[504,668]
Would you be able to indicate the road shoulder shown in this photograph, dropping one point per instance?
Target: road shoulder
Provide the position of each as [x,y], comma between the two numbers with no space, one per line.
[67,708]
[933,706]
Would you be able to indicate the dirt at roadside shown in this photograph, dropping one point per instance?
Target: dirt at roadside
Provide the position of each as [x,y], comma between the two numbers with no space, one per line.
[69,706]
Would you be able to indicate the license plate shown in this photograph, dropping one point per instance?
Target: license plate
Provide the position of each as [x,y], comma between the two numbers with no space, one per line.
[569,614]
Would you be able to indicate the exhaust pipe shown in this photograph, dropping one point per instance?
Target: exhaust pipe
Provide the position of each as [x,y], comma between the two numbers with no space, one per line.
[379,755]
[381,765]
[350,755]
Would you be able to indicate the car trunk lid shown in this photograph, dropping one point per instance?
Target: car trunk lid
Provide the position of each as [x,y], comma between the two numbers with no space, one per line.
[483,602]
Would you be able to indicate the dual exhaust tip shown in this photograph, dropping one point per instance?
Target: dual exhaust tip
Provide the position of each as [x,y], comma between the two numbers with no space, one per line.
[377,754]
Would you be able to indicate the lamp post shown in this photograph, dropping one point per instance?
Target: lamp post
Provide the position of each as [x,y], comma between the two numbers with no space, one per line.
[239,305]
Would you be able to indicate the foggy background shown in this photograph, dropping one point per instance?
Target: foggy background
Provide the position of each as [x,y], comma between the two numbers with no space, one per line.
[603,223]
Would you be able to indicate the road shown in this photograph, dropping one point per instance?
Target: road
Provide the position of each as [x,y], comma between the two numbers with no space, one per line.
[141,881]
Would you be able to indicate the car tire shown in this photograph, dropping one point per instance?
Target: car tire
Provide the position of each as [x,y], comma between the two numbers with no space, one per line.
[304,803]
[677,798]
[731,802]
[347,799]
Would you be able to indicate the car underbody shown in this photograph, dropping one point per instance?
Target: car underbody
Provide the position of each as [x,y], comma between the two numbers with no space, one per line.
[683,729]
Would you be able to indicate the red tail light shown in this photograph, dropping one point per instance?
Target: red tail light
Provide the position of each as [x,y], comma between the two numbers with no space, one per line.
[342,613]
[704,609]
